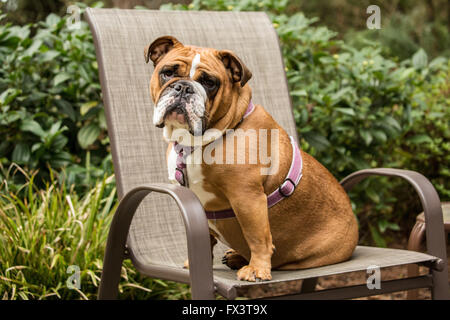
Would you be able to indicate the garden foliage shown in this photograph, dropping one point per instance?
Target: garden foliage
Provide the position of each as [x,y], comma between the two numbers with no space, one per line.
[47,234]
[50,98]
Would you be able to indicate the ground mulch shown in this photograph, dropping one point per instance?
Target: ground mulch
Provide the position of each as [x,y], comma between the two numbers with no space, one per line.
[349,279]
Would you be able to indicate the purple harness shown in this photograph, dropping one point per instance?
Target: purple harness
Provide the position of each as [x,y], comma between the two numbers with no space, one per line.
[284,190]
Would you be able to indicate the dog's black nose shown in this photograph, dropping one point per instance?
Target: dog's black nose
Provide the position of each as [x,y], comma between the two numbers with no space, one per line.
[183,88]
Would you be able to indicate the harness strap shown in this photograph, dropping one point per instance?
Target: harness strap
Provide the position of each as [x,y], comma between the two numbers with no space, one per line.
[180,171]
[284,190]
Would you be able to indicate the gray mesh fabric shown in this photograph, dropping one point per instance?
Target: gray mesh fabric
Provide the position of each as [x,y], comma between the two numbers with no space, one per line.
[363,257]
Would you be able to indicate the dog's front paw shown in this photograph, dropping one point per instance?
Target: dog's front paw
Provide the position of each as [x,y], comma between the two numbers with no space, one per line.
[253,273]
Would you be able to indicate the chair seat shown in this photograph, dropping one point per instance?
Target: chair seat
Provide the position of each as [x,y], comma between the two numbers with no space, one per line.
[227,284]
[363,257]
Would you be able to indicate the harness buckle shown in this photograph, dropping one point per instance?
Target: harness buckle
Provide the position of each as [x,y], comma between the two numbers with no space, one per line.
[281,192]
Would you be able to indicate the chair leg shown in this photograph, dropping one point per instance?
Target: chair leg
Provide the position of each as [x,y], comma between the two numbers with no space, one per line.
[112,266]
[440,289]
[416,238]
[309,285]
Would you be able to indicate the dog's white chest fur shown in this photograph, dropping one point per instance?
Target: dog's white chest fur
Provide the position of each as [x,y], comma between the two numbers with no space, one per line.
[172,165]
[194,176]
[196,184]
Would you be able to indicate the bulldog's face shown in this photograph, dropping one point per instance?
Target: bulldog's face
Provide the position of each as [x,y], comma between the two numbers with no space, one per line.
[196,88]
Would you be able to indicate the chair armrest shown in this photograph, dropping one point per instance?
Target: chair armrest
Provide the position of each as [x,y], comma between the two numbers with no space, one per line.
[428,197]
[197,233]
[431,204]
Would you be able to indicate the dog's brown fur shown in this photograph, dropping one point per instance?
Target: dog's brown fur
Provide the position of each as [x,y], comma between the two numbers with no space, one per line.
[313,227]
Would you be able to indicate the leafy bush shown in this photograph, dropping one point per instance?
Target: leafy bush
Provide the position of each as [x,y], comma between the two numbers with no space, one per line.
[50,100]
[403,35]
[357,109]
[44,231]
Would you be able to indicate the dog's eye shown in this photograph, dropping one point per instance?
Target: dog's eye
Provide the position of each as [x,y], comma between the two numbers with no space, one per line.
[208,83]
[167,74]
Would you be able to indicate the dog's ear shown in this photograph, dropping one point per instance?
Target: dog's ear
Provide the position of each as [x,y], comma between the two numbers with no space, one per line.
[159,48]
[238,71]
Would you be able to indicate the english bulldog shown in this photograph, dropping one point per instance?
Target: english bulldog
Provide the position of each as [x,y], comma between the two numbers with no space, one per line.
[273,204]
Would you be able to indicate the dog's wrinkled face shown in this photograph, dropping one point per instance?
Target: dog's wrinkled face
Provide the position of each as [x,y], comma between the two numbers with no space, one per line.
[182,102]
[194,88]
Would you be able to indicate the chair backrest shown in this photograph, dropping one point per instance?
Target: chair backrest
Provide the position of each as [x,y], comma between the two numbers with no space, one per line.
[137,146]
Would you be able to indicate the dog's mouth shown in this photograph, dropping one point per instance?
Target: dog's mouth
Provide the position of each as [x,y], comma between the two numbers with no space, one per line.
[182,107]
[179,115]
[175,113]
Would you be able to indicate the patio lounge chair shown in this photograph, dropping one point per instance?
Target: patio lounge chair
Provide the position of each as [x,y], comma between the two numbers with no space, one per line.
[158,225]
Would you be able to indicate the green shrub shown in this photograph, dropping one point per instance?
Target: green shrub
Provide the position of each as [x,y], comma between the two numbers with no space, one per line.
[44,231]
[402,35]
[50,100]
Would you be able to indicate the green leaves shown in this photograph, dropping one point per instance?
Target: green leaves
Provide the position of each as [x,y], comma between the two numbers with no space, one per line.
[32,126]
[87,135]
[383,225]
[377,237]
[9,95]
[316,140]
[48,56]
[420,138]
[49,148]
[339,96]
[379,136]
[85,107]
[50,96]
[391,122]
[21,153]
[61,77]
[420,59]
[32,49]
[379,229]
[366,136]
[347,111]
[299,93]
